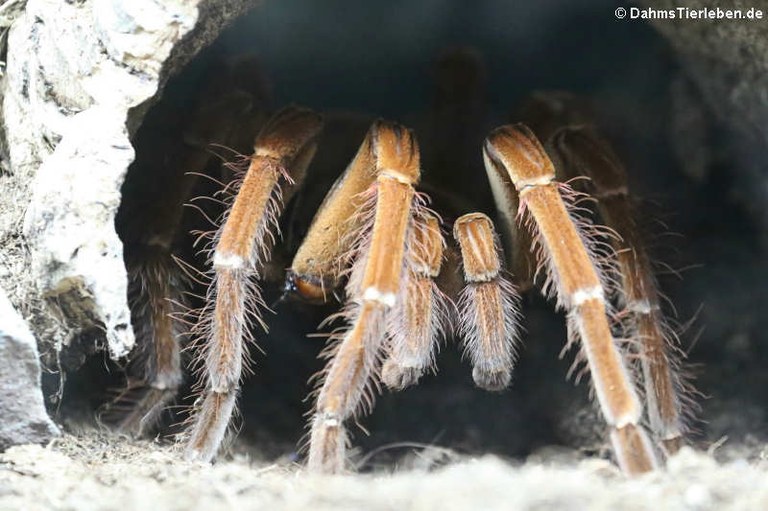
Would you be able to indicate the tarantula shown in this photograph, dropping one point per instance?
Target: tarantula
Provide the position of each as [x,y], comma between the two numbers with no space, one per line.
[376,235]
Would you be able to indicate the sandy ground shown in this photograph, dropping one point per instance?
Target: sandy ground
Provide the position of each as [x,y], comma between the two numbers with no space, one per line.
[99,473]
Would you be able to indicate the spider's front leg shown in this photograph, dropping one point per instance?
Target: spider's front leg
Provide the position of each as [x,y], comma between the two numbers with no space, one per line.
[583,152]
[282,152]
[380,257]
[149,222]
[514,156]
[566,123]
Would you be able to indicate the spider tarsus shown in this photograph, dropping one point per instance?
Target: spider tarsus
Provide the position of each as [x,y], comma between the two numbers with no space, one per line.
[346,387]
[328,445]
[398,377]
[210,426]
[493,381]
[671,446]
[634,451]
[145,411]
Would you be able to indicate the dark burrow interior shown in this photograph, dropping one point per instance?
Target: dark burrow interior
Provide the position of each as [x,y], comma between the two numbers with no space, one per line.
[453,71]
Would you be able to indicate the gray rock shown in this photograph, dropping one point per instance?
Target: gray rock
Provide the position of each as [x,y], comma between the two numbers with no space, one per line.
[728,62]
[25,420]
[78,80]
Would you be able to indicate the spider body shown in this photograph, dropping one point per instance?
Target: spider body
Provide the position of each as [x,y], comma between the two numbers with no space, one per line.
[375,243]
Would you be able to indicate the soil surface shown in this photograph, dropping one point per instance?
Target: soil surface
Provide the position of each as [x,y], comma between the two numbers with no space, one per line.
[97,472]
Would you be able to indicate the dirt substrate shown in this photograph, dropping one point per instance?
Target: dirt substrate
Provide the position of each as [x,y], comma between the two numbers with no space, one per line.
[95,472]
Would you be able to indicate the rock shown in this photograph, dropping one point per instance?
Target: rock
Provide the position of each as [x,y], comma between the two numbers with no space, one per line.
[727,59]
[79,78]
[728,62]
[25,420]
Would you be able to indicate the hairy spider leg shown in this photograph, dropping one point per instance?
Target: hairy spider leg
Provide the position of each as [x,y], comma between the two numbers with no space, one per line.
[157,285]
[420,319]
[282,152]
[573,277]
[373,289]
[544,112]
[585,153]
